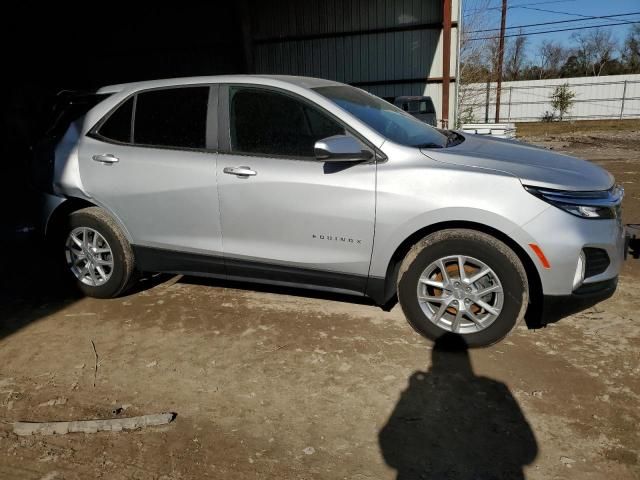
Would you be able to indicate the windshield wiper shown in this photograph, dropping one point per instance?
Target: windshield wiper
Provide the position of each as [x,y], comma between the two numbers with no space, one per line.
[427,145]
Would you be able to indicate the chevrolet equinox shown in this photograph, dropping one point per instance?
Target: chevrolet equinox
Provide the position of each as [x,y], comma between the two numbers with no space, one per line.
[312,183]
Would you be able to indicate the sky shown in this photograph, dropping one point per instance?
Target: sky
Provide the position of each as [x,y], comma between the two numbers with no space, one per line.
[555,10]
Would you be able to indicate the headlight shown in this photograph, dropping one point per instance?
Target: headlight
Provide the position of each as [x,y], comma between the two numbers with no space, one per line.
[596,205]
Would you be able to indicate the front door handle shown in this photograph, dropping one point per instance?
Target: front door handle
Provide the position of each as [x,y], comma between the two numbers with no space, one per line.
[106,158]
[240,171]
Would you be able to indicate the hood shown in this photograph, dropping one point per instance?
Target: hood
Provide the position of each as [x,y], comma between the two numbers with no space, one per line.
[535,166]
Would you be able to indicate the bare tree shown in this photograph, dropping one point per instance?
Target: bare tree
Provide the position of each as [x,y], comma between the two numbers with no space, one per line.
[551,56]
[594,50]
[630,53]
[473,52]
[515,56]
[475,60]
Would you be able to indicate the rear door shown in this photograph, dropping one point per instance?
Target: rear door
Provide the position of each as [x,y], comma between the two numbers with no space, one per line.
[152,163]
[287,216]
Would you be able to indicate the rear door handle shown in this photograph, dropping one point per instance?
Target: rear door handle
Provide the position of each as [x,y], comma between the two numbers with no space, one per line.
[106,158]
[240,171]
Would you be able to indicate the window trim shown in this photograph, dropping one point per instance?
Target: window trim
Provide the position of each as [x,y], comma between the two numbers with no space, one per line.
[224,127]
[212,101]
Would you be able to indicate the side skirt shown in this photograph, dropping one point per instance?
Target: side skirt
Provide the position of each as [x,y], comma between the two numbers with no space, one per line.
[152,259]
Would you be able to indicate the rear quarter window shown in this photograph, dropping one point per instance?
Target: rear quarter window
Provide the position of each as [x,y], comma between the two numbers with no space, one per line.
[118,125]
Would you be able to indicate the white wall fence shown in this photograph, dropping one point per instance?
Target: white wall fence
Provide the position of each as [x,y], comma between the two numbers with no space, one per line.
[606,97]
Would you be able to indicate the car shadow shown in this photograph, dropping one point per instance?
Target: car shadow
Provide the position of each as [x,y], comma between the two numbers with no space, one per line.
[32,286]
[452,424]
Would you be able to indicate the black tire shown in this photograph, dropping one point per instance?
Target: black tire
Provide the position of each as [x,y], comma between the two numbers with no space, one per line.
[494,253]
[123,269]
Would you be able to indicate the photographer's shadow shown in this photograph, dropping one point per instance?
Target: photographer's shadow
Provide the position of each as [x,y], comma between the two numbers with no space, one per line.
[452,424]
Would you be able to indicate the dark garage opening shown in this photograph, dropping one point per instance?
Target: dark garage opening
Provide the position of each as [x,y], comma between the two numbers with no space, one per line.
[70,48]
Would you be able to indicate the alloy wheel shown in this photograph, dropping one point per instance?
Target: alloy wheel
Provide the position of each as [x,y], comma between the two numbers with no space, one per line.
[89,256]
[460,294]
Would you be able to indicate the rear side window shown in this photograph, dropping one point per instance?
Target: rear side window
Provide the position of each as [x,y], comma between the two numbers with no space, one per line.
[418,106]
[270,123]
[118,126]
[172,117]
[427,106]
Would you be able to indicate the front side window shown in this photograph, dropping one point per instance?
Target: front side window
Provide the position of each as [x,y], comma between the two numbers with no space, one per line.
[386,119]
[265,122]
[172,117]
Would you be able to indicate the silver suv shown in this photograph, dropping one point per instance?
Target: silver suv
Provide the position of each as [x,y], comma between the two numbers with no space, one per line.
[312,183]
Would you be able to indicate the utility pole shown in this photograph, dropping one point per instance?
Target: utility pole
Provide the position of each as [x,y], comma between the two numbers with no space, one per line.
[503,22]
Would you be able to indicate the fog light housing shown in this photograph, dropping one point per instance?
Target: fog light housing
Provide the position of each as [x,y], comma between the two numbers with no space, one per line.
[578,277]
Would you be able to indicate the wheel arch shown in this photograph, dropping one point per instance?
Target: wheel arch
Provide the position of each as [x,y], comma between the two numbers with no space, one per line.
[383,290]
[56,221]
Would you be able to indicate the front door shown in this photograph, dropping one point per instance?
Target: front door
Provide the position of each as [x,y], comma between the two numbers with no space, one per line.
[287,217]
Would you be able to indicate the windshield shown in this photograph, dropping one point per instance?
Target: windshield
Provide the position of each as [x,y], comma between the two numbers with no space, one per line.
[386,119]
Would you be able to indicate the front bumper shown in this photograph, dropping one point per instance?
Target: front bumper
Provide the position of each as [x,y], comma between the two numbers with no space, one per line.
[556,307]
[562,237]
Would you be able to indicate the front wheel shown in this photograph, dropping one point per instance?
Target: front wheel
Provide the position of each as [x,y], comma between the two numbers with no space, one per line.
[97,253]
[465,283]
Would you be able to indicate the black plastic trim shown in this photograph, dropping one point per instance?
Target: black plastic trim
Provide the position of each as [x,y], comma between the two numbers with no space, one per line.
[153,259]
[596,261]
[556,307]
[212,119]
[150,259]
[382,292]
[295,275]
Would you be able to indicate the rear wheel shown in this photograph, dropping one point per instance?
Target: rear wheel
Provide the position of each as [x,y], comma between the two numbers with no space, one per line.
[97,254]
[465,283]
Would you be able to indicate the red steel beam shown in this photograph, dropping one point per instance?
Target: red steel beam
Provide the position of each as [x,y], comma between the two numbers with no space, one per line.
[503,20]
[446,60]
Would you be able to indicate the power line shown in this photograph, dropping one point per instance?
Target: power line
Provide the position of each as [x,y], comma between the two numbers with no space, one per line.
[553,31]
[520,5]
[556,22]
[572,14]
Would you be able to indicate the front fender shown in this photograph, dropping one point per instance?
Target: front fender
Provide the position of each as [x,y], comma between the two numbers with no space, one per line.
[419,196]
[436,220]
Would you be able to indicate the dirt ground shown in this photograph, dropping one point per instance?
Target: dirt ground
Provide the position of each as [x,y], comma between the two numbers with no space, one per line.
[271,383]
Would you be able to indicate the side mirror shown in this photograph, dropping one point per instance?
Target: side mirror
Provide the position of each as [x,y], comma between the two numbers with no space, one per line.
[340,148]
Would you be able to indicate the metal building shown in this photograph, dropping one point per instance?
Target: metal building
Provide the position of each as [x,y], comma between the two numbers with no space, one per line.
[388,47]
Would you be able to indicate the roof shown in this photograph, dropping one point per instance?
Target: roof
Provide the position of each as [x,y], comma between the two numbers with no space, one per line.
[304,82]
